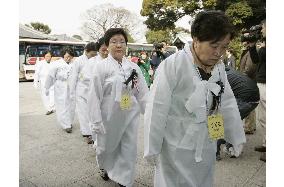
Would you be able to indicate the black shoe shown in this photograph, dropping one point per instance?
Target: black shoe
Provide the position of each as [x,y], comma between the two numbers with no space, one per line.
[249,132]
[103,174]
[218,157]
[121,185]
[68,130]
[49,112]
[263,157]
[260,148]
[85,136]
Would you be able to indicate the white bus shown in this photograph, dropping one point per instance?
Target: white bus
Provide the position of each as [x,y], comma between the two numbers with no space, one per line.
[31,51]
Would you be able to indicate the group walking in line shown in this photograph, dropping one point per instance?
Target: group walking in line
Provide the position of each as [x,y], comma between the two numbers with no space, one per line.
[189,105]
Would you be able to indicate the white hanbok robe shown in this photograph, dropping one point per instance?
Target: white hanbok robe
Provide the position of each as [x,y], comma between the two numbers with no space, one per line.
[41,72]
[175,119]
[78,89]
[58,76]
[87,71]
[117,149]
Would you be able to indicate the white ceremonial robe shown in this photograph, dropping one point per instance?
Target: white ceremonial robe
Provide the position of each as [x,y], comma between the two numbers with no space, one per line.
[78,87]
[58,76]
[87,71]
[175,130]
[41,72]
[117,149]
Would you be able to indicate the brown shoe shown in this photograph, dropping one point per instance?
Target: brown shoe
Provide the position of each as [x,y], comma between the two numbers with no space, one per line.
[68,130]
[263,157]
[89,140]
[260,148]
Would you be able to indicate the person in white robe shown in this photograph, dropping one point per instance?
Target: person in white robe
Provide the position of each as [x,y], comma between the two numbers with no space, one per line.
[41,71]
[78,87]
[59,76]
[87,72]
[117,96]
[190,106]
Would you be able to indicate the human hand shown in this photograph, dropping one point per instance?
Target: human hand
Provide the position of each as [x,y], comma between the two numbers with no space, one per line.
[98,128]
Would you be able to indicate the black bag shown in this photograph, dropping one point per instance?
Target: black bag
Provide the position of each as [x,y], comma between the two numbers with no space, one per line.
[245,90]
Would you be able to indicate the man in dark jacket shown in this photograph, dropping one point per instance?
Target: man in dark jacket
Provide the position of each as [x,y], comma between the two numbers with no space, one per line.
[248,68]
[259,58]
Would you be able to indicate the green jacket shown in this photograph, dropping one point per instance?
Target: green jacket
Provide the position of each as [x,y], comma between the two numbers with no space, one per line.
[145,70]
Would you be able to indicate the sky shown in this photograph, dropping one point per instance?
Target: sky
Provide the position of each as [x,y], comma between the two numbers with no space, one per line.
[64,16]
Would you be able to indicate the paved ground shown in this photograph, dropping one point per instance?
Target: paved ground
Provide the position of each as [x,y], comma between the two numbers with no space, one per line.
[51,157]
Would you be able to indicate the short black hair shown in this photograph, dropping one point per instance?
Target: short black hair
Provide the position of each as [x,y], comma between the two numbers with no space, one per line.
[212,25]
[67,49]
[113,31]
[46,52]
[100,42]
[91,47]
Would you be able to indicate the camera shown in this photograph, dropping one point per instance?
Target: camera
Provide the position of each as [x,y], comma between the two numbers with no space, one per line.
[254,34]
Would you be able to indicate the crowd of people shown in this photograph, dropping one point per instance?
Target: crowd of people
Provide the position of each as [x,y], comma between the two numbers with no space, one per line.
[191,100]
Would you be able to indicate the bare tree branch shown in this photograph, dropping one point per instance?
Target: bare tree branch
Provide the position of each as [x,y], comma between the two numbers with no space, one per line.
[99,19]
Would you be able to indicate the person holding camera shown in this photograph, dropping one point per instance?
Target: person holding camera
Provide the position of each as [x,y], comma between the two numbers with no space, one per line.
[191,105]
[159,54]
[249,69]
[259,58]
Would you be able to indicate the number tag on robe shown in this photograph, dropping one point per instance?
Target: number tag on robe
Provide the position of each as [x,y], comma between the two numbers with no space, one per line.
[216,126]
[125,102]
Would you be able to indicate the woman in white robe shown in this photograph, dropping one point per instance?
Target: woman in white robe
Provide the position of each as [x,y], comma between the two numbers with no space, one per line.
[177,138]
[115,110]
[58,76]
[78,87]
[87,74]
[41,71]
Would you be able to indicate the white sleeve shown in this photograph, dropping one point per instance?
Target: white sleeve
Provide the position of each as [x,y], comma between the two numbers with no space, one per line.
[51,77]
[143,94]
[36,75]
[95,96]
[74,78]
[233,125]
[157,107]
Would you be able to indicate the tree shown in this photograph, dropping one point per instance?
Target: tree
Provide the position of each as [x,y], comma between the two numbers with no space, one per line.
[158,36]
[99,19]
[162,14]
[40,27]
[167,35]
[77,37]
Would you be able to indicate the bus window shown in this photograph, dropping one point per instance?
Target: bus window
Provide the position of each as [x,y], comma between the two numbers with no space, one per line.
[37,50]
[41,49]
[79,50]
[56,48]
